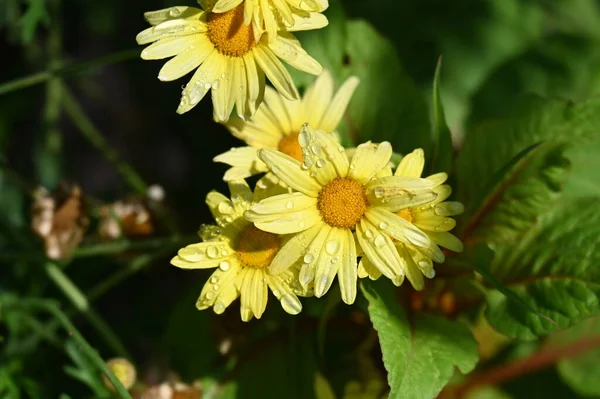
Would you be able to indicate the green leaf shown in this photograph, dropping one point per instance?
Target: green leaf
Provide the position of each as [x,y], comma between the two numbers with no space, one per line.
[503,205]
[581,372]
[442,151]
[36,14]
[420,355]
[553,268]
[386,105]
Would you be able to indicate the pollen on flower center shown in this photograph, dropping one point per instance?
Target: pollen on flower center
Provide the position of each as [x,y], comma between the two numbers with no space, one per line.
[406,214]
[342,202]
[289,145]
[257,248]
[229,33]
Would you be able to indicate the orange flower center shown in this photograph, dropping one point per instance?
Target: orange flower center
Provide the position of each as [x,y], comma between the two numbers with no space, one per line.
[257,248]
[342,202]
[289,145]
[229,33]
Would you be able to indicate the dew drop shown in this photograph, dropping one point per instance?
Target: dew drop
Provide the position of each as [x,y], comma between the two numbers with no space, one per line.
[219,307]
[379,241]
[383,225]
[308,258]
[369,233]
[214,280]
[212,252]
[320,163]
[352,166]
[224,266]
[276,293]
[209,295]
[289,205]
[332,247]
[216,287]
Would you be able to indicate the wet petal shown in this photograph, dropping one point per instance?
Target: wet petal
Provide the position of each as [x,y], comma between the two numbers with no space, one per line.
[368,160]
[295,248]
[348,272]
[289,170]
[338,105]
[379,249]
[412,164]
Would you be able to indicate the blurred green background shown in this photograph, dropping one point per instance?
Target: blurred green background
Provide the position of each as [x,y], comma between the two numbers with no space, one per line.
[493,51]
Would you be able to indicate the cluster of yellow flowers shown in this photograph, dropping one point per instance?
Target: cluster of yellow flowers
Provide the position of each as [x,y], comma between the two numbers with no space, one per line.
[320,210]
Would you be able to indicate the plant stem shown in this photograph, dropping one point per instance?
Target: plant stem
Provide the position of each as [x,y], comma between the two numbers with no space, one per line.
[81,303]
[506,372]
[76,335]
[73,69]
[93,135]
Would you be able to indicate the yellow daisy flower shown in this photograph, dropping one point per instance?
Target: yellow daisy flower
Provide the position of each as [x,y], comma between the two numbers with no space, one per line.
[242,255]
[273,15]
[277,123]
[431,218]
[336,200]
[228,59]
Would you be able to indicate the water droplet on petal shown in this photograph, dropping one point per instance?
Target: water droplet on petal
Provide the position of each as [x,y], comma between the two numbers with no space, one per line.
[383,225]
[289,205]
[224,266]
[332,247]
[379,241]
[212,252]
[308,258]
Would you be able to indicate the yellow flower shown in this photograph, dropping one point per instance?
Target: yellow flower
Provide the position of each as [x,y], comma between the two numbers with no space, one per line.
[242,255]
[228,59]
[273,15]
[431,218]
[336,199]
[277,123]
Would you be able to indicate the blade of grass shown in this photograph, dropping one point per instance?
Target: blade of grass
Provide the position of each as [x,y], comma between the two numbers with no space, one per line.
[52,308]
[81,303]
[92,134]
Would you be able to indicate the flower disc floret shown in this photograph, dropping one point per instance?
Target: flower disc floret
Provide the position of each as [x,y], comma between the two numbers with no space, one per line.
[342,203]
[289,145]
[229,33]
[256,248]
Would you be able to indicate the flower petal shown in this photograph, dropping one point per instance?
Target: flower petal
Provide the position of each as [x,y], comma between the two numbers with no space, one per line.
[171,28]
[447,240]
[275,71]
[317,98]
[203,255]
[337,108]
[220,282]
[244,162]
[256,82]
[312,255]
[412,164]
[348,271]
[323,155]
[201,82]
[223,211]
[223,97]
[368,160]
[288,48]
[171,13]
[379,249]
[291,251]
[397,227]
[367,269]
[225,5]
[309,21]
[187,60]
[258,291]
[170,47]
[286,223]
[290,172]
[396,193]
[283,203]
[282,291]
[329,261]
[412,272]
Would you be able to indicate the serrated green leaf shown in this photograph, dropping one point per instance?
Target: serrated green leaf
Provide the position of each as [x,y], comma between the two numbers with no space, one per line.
[442,149]
[554,268]
[580,372]
[387,105]
[530,187]
[517,194]
[420,355]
